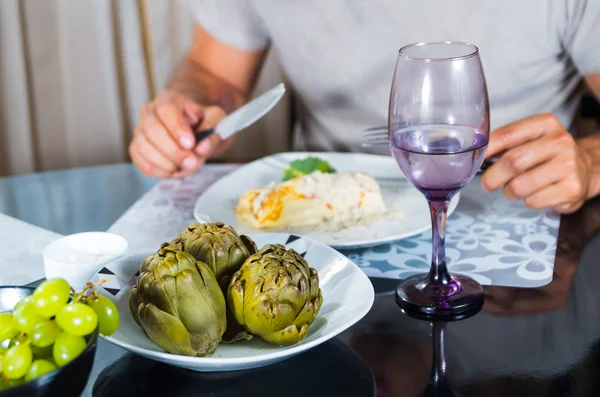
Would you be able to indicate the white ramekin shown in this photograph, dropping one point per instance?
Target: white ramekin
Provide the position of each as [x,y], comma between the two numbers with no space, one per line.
[78,257]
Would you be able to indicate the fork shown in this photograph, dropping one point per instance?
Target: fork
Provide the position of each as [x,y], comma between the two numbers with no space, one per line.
[375,136]
[378,136]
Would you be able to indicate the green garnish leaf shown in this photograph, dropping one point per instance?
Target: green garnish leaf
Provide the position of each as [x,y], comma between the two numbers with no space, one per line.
[307,166]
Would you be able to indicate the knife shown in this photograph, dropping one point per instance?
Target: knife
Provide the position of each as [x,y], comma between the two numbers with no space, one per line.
[244,116]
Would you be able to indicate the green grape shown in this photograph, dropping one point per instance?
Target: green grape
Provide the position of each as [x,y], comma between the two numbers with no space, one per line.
[21,339]
[67,347]
[108,315]
[25,300]
[42,352]
[50,296]
[45,333]
[39,368]
[17,362]
[27,317]
[77,319]
[8,326]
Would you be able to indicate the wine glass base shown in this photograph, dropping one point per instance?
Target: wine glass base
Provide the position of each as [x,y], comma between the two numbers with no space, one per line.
[464,303]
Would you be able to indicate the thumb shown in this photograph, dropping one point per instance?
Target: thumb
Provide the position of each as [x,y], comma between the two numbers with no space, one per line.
[192,112]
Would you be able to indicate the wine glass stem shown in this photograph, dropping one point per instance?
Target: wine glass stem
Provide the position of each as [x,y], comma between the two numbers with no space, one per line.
[439,354]
[439,271]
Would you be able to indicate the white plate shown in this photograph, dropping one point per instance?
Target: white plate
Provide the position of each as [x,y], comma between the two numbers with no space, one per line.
[347,297]
[218,202]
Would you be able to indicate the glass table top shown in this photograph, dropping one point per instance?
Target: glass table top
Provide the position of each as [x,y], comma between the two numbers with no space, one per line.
[72,201]
[526,342]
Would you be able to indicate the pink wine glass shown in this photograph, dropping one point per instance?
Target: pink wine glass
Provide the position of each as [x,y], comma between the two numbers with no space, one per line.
[438,131]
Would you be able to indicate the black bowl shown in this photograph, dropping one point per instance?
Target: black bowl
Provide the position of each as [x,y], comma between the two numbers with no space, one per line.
[68,381]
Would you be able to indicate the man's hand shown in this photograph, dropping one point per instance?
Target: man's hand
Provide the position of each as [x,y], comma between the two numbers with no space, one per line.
[540,163]
[163,142]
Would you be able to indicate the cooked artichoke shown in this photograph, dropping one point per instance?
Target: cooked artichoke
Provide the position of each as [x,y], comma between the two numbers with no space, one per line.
[178,303]
[218,245]
[275,295]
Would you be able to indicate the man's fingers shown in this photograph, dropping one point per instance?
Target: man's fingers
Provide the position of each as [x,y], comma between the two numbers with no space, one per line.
[533,181]
[563,195]
[536,179]
[541,164]
[179,130]
[161,139]
[568,208]
[149,152]
[519,160]
[520,132]
[144,165]
[548,197]
[148,169]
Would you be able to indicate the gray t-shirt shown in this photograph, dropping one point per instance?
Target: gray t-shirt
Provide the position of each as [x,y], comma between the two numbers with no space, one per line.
[339,55]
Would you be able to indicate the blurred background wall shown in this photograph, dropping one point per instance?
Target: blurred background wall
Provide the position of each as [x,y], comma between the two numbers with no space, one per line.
[74,74]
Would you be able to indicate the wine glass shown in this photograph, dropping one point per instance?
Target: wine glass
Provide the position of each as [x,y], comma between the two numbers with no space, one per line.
[438,132]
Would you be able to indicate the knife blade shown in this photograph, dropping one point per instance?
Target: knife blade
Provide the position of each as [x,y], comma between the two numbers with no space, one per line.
[244,116]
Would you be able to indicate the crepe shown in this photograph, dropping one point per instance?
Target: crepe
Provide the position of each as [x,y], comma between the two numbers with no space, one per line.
[315,201]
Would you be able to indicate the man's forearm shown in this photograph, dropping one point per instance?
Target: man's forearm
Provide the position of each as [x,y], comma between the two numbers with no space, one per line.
[193,81]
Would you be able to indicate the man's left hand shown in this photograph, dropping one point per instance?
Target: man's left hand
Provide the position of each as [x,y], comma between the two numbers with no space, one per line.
[540,163]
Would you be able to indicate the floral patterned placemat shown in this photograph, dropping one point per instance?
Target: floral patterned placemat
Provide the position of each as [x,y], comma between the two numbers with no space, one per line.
[495,241]
[492,239]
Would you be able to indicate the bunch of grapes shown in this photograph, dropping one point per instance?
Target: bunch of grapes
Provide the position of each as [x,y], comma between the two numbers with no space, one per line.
[48,329]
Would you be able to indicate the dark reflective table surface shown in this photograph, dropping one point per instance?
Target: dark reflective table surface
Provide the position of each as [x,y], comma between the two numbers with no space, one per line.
[525,342]
[333,366]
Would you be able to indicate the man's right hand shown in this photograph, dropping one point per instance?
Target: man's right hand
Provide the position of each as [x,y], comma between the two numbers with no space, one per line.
[164,145]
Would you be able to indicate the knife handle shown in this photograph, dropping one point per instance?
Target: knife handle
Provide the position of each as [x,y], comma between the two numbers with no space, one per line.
[201,135]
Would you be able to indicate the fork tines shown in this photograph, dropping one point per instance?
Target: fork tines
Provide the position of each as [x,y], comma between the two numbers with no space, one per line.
[375,136]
